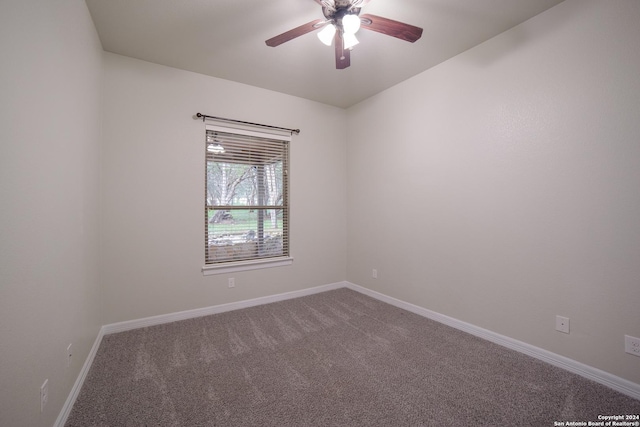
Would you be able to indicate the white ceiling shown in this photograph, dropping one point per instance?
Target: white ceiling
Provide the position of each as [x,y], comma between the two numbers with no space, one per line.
[225,39]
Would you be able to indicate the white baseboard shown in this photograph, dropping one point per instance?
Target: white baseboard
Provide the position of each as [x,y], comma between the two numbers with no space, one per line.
[77,386]
[616,383]
[206,311]
[612,381]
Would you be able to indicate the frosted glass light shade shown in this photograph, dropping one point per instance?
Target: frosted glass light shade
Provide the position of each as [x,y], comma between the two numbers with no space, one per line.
[350,40]
[350,24]
[326,34]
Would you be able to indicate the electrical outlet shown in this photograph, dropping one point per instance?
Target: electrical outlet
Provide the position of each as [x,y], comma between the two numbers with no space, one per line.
[562,324]
[632,345]
[69,354]
[374,273]
[232,282]
[44,394]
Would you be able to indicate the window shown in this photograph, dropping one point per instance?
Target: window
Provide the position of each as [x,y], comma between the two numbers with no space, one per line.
[246,201]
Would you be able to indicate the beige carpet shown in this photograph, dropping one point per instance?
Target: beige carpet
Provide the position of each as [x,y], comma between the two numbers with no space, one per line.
[337,358]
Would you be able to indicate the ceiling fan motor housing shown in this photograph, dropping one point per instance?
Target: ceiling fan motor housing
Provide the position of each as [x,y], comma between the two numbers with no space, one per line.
[342,8]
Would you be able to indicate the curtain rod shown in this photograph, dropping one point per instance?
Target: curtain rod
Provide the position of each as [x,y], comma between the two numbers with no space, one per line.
[204,116]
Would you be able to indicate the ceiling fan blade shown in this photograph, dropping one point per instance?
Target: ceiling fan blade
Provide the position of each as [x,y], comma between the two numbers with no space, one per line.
[390,27]
[343,56]
[292,34]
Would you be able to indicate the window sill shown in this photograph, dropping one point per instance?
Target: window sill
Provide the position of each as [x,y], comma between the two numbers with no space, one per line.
[232,267]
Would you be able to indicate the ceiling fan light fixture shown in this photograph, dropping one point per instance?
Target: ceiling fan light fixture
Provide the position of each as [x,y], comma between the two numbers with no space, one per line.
[327,33]
[350,24]
[350,40]
[341,22]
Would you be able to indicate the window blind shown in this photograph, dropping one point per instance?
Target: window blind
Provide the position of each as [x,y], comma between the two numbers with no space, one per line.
[246,200]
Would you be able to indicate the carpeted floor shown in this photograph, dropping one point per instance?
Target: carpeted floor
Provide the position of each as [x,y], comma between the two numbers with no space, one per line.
[337,358]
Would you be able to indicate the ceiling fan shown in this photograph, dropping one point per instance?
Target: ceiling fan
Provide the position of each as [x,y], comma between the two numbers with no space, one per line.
[342,21]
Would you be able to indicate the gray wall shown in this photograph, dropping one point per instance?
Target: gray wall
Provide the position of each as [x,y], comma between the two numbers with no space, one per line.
[50,112]
[153,190]
[502,187]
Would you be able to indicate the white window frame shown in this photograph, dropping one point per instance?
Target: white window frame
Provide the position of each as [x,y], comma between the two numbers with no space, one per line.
[258,263]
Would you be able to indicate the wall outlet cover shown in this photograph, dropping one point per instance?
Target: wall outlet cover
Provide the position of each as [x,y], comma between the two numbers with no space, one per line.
[562,324]
[632,345]
[44,394]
